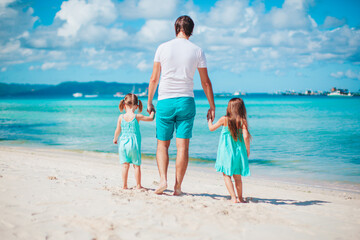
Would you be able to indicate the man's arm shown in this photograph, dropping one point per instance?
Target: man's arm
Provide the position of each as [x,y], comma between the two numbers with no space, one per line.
[206,85]
[154,81]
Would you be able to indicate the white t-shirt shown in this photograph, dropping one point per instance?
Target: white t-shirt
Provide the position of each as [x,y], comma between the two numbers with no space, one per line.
[179,59]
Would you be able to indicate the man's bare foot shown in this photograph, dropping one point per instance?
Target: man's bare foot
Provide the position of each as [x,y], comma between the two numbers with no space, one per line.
[234,200]
[139,187]
[177,192]
[162,187]
[125,187]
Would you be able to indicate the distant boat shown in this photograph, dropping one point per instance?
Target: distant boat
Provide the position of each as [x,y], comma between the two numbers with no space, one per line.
[142,94]
[91,96]
[77,95]
[238,93]
[339,93]
[119,94]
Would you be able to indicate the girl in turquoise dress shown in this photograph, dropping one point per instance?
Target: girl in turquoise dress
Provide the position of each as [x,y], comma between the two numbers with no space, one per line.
[129,141]
[234,146]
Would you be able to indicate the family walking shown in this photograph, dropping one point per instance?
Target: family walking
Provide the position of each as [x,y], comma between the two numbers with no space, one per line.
[176,62]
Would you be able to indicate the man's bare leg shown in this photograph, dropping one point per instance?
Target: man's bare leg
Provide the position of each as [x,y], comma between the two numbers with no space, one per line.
[182,159]
[162,159]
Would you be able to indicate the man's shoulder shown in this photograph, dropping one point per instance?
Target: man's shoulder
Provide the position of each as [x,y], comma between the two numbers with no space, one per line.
[175,43]
[194,45]
[167,43]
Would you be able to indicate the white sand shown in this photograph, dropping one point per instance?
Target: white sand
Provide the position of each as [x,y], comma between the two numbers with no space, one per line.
[58,194]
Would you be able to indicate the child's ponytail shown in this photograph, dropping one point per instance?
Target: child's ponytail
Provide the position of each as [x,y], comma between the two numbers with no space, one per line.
[140,106]
[122,105]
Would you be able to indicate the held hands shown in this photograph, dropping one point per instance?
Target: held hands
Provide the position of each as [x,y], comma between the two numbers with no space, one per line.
[150,108]
[211,114]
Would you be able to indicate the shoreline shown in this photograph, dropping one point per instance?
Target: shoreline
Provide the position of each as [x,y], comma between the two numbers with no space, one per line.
[208,165]
[207,168]
[54,193]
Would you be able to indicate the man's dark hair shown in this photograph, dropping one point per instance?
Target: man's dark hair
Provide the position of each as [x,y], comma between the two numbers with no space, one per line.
[184,24]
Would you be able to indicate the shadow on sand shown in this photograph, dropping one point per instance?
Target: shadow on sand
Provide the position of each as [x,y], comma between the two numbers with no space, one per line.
[285,201]
[273,201]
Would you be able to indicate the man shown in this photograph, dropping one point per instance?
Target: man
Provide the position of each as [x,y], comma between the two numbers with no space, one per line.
[177,60]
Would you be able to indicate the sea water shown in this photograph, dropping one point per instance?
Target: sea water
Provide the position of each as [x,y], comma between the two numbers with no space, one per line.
[293,137]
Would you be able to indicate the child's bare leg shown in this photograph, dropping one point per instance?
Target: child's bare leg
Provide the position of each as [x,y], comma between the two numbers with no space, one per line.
[137,176]
[230,187]
[125,171]
[238,185]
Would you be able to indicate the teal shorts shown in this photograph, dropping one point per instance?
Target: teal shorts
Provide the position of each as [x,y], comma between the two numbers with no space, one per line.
[175,113]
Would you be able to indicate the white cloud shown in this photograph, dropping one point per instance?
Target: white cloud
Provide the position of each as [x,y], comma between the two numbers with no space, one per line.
[14,20]
[332,22]
[148,9]
[116,35]
[10,47]
[143,65]
[337,74]
[79,13]
[292,15]
[227,12]
[4,3]
[297,4]
[353,75]
[104,65]
[55,65]
[56,55]
[155,31]
[235,35]
[92,51]
[348,74]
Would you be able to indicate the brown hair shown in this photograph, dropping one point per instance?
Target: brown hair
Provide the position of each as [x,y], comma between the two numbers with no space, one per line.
[130,100]
[237,118]
[184,24]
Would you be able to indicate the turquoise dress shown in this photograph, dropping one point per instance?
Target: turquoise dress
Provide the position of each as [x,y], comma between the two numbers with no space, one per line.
[130,142]
[232,156]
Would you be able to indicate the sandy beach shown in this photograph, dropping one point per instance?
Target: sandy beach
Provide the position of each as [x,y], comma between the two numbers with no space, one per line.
[62,194]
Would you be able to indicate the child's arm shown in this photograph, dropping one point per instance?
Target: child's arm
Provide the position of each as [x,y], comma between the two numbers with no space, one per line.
[246,136]
[150,118]
[219,123]
[117,130]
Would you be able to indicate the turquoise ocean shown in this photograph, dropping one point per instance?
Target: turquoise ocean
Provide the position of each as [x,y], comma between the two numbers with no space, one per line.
[307,139]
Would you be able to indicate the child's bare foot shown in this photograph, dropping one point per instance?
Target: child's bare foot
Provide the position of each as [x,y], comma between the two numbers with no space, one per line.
[242,200]
[139,187]
[234,200]
[162,187]
[125,187]
[177,192]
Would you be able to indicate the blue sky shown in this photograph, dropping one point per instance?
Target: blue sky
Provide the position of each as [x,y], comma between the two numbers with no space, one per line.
[252,46]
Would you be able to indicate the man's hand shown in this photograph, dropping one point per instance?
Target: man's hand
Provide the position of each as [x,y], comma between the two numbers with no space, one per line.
[211,114]
[150,108]
[115,141]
